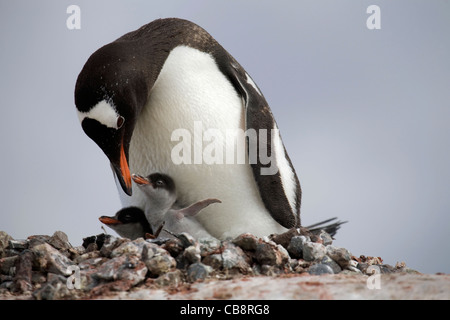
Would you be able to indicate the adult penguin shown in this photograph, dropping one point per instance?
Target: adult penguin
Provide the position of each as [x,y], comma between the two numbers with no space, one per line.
[153,98]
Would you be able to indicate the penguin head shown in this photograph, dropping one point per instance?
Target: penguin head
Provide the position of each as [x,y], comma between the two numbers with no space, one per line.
[129,222]
[109,94]
[158,187]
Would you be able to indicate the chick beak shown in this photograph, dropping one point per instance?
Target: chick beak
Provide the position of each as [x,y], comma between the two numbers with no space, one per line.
[108,220]
[140,179]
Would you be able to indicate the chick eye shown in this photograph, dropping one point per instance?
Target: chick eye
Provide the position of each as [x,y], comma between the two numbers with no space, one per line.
[120,122]
[159,183]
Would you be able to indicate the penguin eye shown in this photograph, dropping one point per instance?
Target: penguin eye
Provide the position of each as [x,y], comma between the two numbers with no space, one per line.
[159,183]
[127,217]
[120,122]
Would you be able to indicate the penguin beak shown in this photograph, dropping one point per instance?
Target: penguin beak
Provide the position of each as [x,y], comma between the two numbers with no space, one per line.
[140,179]
[108,220]
[122,171]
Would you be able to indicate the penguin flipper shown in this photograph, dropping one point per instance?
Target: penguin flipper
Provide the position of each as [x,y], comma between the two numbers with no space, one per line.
[279,186]
[195,208]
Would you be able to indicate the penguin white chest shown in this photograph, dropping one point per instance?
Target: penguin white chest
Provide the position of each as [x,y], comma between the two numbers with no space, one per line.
[191,91]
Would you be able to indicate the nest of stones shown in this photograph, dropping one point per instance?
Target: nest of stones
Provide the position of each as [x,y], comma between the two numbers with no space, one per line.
[49,267]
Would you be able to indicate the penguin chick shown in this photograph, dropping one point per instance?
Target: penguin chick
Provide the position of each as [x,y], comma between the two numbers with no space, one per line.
[161,193]
[129,222]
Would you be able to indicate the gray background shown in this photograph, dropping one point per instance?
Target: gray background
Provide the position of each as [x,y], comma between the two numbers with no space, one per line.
[364,114]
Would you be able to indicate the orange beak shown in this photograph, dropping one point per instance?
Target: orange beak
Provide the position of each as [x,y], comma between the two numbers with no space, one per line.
[140,179]
[108,220]
[124,169]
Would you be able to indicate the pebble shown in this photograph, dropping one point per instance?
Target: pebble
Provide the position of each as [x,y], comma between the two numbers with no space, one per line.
[134,247]
[60,241]
[55,288]
[18,244]
[157,260]
[171,278]
[47,258]
[246,241]
[7,265]
[295,247]
[331,263]
[4,243]
[214,260]
[23,272]
[198,271]
[271,254]
[234,258]
[326,238]
[186,239]
[319,269]
[208,246]
[313,251]
[127,267]
[192,254]
[173,246]
[341,255]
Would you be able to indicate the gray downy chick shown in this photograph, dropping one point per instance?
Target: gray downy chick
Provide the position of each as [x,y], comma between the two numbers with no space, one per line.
[161,193]
[129,222]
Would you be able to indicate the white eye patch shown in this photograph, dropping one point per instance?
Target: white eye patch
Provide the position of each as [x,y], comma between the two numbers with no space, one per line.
[105,113]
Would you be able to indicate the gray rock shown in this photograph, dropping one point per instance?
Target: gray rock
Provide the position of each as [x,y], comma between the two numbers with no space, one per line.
[325,237]
[331,263]
[47,258]
[319,269]
[172,278]
[127,267]
[186,239]
[18,244]
[271,254]
[301,266]
[92,263]
[134,247]
[4,242]
[108,271]
[87,256]
[209,246]
[38,277]
[387,268]
[246,241]
[157,260]
[6,282]
[214,260]
[295,247]
[110,243]
[198,271]
[270,270]
[36,240]
[233,258]
[60,241]
[54,289]
[341,255]
[23,272]
[133,271]
[7,265]
[313,251]
[192,254]
[173,246]
[353,269]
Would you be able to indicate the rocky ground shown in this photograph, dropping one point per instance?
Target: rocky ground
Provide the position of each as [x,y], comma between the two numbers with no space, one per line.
[296,265]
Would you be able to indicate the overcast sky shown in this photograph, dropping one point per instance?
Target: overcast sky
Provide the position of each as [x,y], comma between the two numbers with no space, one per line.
[364,114]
